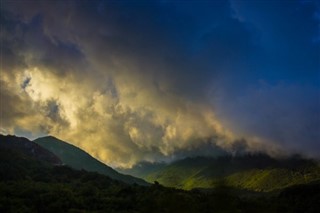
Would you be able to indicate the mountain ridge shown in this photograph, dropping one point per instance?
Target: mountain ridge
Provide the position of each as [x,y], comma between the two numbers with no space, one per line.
[30,184]
[257,172]
[77,158]
[28,148]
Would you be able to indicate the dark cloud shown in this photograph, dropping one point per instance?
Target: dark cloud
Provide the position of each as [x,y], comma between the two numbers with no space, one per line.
[287,114]
[12,106]
[53,111]
[25,82]
[146,80]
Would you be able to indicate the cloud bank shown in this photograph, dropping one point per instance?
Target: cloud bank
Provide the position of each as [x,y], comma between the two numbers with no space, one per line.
[149,81]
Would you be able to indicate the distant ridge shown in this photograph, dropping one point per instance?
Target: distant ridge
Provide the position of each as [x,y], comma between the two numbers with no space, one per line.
[257,172]
[78,159]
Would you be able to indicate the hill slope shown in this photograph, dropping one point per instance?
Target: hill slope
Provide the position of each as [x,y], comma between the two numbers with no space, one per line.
[254,172]
[29,183]
[20,158]
[79,159]
[28,148]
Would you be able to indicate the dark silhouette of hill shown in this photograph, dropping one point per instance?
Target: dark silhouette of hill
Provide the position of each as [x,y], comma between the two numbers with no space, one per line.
[29,183]
[28,148]
[78,159]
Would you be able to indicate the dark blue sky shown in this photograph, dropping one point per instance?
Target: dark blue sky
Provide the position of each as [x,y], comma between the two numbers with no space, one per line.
[163,75]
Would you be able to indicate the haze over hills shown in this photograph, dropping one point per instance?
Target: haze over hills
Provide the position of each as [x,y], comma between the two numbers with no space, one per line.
[258,172]
[78,159]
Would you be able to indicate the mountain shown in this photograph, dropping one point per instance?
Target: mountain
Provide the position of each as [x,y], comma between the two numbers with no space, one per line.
[20,158]
[258,172]
[30,183]
[79,159]
[28,148]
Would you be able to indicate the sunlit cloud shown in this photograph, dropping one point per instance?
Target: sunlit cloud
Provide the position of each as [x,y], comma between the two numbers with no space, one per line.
[129,85]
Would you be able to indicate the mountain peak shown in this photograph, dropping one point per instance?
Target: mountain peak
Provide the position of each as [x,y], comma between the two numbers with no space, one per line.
[77,158]
[29,148]
[51,137]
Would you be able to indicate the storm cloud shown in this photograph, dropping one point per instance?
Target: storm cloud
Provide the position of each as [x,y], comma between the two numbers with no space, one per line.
[154,80]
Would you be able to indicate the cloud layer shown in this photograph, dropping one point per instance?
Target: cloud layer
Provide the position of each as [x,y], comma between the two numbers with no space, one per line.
[158,80]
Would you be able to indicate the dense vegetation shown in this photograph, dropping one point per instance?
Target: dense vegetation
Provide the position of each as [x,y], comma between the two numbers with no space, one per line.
[76,158]
[62,189]
[28,184]
[65,190]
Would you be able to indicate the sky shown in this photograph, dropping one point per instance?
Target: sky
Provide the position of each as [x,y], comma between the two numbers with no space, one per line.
[131,81]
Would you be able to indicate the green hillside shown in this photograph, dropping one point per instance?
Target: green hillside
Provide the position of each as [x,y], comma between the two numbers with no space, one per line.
[254,172]
[78,159]
[29,183]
